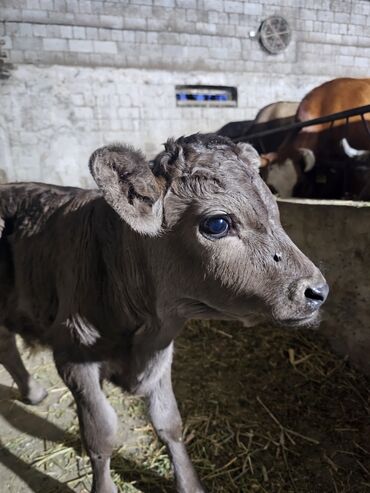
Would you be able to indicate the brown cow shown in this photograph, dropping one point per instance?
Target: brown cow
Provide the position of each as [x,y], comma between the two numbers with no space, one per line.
[300,151]
[107,278]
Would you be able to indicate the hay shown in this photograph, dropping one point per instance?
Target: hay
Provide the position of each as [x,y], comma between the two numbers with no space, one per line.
[265,410]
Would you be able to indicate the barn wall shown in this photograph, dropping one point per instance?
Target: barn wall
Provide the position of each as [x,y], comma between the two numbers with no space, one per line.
[87,72]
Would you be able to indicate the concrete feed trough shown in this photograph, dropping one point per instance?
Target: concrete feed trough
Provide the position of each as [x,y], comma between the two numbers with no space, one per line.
[336,235]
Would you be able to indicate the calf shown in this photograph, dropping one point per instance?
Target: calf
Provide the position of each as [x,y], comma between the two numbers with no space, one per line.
[108,277]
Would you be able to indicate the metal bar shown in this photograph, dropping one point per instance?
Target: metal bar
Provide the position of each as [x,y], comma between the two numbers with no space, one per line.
[365,125]
[263,148]
[322,119]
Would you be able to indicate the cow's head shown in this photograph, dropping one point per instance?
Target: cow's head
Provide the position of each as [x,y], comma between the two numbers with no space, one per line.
[213,235]
[285,172]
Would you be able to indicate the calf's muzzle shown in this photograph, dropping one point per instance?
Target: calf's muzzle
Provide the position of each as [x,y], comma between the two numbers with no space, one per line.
[316,294]
[310,293]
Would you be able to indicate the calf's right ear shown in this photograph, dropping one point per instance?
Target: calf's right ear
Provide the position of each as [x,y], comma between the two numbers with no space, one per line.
[129,186]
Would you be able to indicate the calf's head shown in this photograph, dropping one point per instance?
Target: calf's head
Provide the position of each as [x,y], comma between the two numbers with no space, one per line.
[218,248]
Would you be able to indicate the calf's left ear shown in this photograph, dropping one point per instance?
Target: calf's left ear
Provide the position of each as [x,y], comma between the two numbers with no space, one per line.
[129,186]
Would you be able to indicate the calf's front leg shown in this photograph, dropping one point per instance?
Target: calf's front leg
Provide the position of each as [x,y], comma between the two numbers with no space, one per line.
[31,391]
[97,419]
[166,420]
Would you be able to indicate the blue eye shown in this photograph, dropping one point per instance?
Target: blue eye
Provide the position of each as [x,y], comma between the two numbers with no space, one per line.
[215,226]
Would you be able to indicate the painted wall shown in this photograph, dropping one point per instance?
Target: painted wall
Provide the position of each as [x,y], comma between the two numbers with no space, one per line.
[85,72]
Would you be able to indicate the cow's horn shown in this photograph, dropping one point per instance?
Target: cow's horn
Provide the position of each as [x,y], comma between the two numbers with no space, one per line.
[351,151]
[308,158]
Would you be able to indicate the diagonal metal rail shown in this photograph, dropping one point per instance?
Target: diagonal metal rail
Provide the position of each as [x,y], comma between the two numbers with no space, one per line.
[361,110]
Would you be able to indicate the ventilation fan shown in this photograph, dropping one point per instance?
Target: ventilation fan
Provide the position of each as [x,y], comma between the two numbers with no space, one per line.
[275,34]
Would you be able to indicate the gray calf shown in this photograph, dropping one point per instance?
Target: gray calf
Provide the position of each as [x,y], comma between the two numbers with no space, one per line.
[108,278]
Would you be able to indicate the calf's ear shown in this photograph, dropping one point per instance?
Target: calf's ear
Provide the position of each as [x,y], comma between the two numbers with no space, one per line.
[129,186]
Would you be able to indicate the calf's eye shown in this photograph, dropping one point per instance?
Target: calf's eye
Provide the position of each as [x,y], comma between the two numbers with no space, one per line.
[215,226]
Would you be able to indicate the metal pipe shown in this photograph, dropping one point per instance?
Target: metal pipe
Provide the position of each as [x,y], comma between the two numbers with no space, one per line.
[297,126]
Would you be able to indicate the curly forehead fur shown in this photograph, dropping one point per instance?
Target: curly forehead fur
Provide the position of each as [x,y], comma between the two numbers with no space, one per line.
[207,166]
[204,156]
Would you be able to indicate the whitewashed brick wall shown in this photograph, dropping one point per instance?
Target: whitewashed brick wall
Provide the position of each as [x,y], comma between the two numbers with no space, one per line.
[87,72]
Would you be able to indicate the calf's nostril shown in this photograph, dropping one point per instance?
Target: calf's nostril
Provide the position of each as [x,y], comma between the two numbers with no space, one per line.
[318,294]
[277,257]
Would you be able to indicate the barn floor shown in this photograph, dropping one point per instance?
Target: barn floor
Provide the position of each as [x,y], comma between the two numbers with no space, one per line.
[265,410]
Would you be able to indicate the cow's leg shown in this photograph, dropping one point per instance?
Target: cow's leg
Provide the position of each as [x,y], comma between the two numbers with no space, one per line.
[96,416]
[31,391]
[166,420]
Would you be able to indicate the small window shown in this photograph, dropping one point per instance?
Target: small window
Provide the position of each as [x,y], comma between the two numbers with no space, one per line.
[206,96]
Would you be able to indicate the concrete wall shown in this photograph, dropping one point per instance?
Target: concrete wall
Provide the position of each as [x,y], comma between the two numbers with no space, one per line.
[336,236]
[88,72]
[206,35]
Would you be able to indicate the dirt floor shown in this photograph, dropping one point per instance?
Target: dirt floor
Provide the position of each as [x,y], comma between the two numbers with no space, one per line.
[265,410]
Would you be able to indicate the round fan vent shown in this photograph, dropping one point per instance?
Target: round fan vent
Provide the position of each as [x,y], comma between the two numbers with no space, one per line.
[275,34]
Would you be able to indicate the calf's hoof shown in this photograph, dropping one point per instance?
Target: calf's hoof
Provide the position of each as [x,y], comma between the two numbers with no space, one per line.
[34,394]
[191,488]
[107,487]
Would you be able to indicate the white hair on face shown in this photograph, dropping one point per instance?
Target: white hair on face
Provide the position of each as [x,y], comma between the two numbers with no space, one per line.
[283,178]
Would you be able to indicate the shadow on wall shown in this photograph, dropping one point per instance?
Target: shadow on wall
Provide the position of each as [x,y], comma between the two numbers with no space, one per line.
[3,177]
[5,156]
[62,162]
